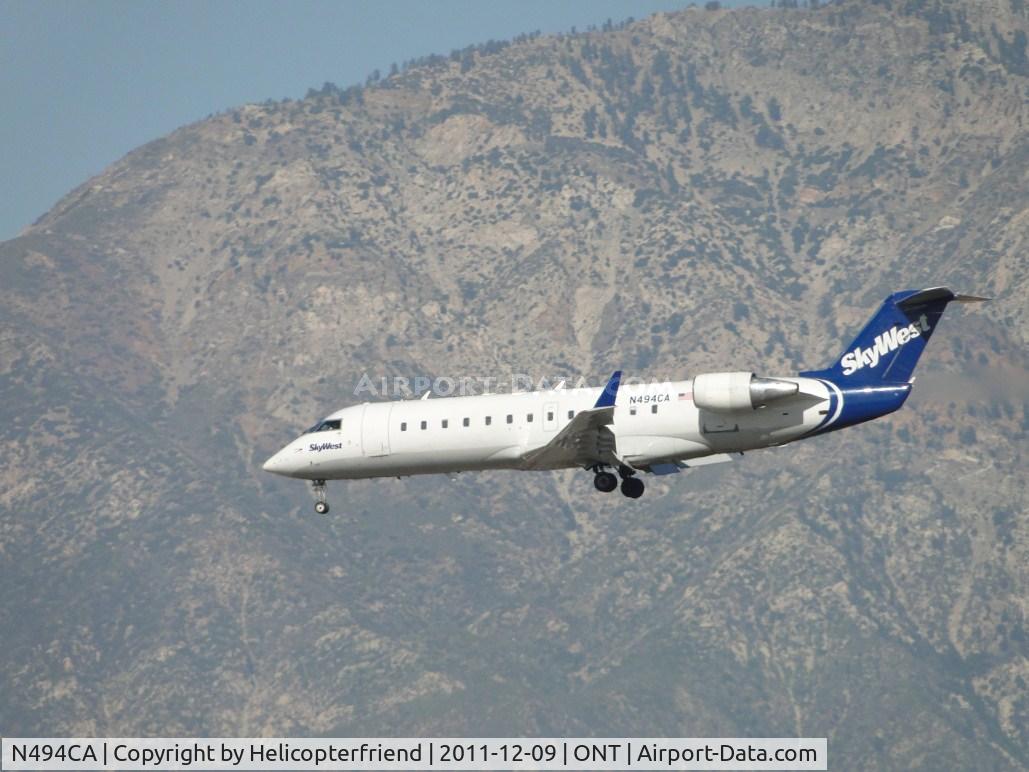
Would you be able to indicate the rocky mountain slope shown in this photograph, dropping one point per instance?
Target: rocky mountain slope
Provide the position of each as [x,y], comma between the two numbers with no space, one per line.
[694,191]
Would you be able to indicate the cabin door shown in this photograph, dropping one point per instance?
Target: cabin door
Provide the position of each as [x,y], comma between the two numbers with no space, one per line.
[375,429]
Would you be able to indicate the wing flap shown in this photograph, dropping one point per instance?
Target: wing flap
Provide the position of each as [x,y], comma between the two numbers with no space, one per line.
[584,440]
[714,458]
[581,440]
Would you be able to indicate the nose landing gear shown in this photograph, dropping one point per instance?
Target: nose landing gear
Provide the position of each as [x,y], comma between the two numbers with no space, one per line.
[321,506]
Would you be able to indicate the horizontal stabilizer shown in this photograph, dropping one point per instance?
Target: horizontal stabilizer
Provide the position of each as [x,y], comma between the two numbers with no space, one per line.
[934,294]
[970,299]
[920,298]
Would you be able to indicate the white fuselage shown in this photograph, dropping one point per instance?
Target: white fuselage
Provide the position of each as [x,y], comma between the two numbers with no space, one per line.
[653,423]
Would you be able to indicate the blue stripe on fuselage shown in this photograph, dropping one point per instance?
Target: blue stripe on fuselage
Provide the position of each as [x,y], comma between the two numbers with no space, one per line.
[828,413]
[860,404]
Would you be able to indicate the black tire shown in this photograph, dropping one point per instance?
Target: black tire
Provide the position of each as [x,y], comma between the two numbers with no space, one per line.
[605,482]
[632,487]
[321,507]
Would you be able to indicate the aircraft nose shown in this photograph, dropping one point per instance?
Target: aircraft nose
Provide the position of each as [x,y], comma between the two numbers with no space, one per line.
[278,464]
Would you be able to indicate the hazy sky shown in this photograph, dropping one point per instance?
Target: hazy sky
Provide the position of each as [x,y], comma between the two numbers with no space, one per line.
[83,83]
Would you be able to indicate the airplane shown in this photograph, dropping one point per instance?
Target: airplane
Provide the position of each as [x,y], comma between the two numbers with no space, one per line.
[657,428]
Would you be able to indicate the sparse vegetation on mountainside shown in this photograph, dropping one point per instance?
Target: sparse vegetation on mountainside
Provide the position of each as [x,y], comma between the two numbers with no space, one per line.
[700,190]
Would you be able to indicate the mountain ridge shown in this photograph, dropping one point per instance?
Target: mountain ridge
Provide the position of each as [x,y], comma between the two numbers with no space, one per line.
[699,190]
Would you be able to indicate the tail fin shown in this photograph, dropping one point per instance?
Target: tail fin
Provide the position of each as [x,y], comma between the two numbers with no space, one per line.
[888,348]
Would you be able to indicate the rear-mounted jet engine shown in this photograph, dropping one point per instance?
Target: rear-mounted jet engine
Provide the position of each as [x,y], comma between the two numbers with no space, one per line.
[726,392]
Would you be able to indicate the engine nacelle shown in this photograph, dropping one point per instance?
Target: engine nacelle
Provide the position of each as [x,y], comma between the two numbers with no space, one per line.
[725,392]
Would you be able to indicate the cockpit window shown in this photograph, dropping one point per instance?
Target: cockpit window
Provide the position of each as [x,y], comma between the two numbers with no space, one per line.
[325,426]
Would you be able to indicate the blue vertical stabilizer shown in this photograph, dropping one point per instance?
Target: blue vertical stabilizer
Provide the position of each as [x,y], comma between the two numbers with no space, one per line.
[888,348]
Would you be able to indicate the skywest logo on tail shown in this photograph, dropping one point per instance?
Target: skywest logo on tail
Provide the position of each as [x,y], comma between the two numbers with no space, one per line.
[886,342]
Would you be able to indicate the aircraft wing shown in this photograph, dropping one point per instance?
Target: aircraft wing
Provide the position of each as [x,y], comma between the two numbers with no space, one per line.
[585,440]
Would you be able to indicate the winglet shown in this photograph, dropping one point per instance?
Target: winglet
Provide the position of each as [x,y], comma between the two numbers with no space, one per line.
[607,396]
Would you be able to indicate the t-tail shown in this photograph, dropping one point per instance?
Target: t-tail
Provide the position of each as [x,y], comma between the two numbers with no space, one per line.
[873,376]
[887,349]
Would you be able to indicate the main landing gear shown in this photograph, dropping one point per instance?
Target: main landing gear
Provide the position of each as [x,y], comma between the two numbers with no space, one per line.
[632,487]
[321,506]
[605,482]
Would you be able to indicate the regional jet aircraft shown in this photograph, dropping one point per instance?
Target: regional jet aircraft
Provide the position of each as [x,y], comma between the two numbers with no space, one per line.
[656,428]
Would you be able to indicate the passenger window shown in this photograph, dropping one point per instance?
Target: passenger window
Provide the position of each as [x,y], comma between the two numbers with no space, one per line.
[550,415]
[571,414]
[445,423]
[489,420]
[425,424]
[528,418]
[653,408]
[632,411]
[510,418]
[403,426]
[466,422]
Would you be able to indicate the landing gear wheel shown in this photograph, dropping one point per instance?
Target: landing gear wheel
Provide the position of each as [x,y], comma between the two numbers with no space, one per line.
[321,506]
[605,482]
[632,487]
